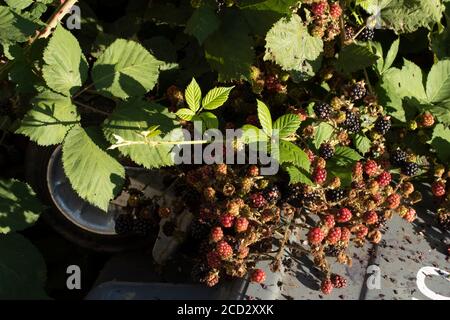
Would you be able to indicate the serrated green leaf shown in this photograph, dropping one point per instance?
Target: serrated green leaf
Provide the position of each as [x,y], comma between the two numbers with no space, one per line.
[355,57]
[94,174]
[185,114]
[298,176]
[229,50]
[323,133]
[216,97]
[18,4]
[65,68]
[15,27]
[210,120]
[391,55]
[440,43]
[19,206]
[265,118]
[440,142]
[125,69]
[203,22]
[279,6]
[345,156]
[252,134]
[289,44]
[438,82]
[287,125]
[362,143]
[291,153]
[441,111]
[22,269]
[405,16]
[193,95]
[49,119]
[343,172]
[133,117]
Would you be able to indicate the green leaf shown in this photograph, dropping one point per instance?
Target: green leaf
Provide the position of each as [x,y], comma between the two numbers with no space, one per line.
[323,133]
[290,45]
[438,82]
[66,68]
[210,120]
[193,95]
[440,142]
[298,176]
[22,269]
[49,119]
[185,114]
[265,118]
[343,172]
[441,111]
[291,153]
[14,27]
[216,97]
[19,206]
[345,156]
[362,143]
[126,69]
[287,125]
[440,43]
[135,116]
[95,175]
[203,22]
[391,55]
[229,50]
[280,6]
[252,134]
[355,57]
[18,4]
[405,16]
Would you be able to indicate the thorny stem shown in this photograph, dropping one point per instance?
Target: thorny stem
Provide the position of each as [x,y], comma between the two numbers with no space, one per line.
[287,233]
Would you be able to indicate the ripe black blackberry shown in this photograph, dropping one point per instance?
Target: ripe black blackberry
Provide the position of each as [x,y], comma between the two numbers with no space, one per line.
[366,35]
[335,195]
[295,195]
[333,251]
[322,110]
[272,194]
[398,157]
[383,125]
[142,227]
[326,151]
[124,224]
[410,168]
[352,122]
[199,230]
[357,91]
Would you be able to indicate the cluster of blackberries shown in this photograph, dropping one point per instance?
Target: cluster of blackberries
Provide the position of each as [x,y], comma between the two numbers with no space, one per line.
[352,122]
[326,151]
[399,159]
[128,224]
[322,110]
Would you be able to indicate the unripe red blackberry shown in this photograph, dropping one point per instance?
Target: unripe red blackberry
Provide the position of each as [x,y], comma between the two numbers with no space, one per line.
[241,224]
[393,201]
[335,10]
[319,8]
[370,168]
[345,234]
[328,220]
[216,234]
[427,120]
[343,215]
[361,231]
[320,175]
[338,281]
[227,220]
[224,250]
[212,279]
[326,286]
[214,260]
[371,217]
[243,252]
[334,235]
[384,179]
[315,236]
[257,200]
[410,216]
[357,171]
[258,276]
[253,171]
[438,188]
